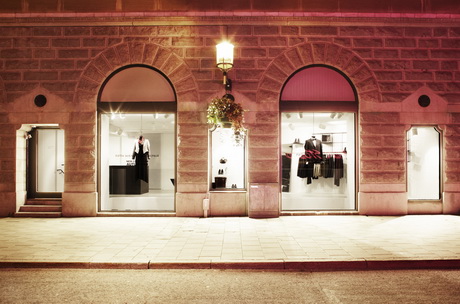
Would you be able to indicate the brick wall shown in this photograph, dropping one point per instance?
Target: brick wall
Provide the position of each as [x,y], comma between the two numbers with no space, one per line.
[387,63]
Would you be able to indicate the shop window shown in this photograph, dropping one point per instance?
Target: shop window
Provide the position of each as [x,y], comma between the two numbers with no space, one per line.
[318,155]
[137,177]
[423,163]
[228,165]
[137,102]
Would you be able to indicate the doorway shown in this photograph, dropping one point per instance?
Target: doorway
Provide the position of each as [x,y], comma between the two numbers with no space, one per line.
[45,162]
[423,163]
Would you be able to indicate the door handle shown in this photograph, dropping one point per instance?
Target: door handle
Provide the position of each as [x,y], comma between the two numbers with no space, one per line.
[60,171]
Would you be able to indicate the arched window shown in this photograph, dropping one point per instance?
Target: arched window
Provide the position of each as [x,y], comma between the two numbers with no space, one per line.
[318,106]
[137,102]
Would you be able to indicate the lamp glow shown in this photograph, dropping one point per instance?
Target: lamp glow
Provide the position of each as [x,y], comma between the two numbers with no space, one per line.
[224,56]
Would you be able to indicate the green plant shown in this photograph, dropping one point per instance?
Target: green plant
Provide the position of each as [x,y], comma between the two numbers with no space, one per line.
[222,109]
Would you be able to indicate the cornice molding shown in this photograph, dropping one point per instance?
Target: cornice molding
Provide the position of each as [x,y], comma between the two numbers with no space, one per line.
[225,18]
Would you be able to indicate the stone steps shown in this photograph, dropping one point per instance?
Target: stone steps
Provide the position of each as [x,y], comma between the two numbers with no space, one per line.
[41,208]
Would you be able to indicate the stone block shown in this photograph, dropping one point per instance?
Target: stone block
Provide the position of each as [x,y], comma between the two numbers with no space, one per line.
[356,31]
[263,153]
[79,204]
[65,42]
[16,53]
[181,31]
[451,201]
[7,202]
[394,97]
[253,52]
[382,203]
[230,203]
[47,31]
[290,30]
[264,201]
[319,30]
[105,30]
[415,53]
[428,43]
[424,207]
[400,43]
[189,204]
[386,53]
[192,177]
[259,165]
[273,41]
[370,177]
[294,57]
[266,30]
[389,31]
[445,54]
[361,42]
[195,165]
[253,74]
[271,84]
[192,141]
[418,32]
[77,31]
[263,141]
[264,176]
[73,53]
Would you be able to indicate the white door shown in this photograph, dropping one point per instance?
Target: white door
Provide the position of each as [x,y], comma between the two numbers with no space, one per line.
[423,163]
[50,160]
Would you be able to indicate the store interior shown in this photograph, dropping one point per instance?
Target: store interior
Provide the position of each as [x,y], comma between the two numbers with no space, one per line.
[120,190]
[322,177]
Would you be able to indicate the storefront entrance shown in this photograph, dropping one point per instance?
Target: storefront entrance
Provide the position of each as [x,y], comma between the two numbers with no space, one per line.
[423,163]
[45,162]
[318,116]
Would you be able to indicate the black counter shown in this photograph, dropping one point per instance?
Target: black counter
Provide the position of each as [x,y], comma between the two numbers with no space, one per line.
[123,181]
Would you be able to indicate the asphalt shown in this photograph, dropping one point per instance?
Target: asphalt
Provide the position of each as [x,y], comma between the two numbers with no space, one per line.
[305,243]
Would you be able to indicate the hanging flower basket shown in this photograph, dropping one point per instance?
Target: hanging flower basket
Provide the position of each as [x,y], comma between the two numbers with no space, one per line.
[225,112]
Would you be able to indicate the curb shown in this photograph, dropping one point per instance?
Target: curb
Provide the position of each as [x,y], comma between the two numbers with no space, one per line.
[312,266]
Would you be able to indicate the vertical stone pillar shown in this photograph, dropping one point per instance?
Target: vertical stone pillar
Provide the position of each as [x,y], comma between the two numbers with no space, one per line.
[80,196]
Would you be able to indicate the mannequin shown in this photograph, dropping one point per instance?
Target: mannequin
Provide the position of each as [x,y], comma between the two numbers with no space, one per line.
[141,154]
[314,149]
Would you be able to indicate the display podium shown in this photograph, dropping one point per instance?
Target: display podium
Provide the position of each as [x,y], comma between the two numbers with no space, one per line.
[123,180]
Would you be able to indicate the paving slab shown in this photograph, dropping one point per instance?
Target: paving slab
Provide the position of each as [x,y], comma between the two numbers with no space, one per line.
[310,243]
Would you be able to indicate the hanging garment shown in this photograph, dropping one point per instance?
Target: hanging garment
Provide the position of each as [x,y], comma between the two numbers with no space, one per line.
[314,150]
[328,166]
[142,170]
[316,170]
[338,170]
[305,169]
[302,167]
[286,175]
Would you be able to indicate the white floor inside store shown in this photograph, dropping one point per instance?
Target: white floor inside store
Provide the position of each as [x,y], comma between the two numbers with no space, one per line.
[154,200]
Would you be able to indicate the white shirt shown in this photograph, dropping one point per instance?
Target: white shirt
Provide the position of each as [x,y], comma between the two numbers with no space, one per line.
[146,147]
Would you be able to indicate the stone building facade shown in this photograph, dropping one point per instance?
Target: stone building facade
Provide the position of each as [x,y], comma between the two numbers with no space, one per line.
[390,59]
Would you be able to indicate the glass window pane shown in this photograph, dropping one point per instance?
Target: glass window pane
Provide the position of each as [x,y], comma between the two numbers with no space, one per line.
[227,160]
[137,176]
[318,161]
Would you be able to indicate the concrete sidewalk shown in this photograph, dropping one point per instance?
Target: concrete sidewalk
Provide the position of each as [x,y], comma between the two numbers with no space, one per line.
[289,242]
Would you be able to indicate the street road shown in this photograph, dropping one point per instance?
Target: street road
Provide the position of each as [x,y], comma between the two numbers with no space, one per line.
[227,286]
